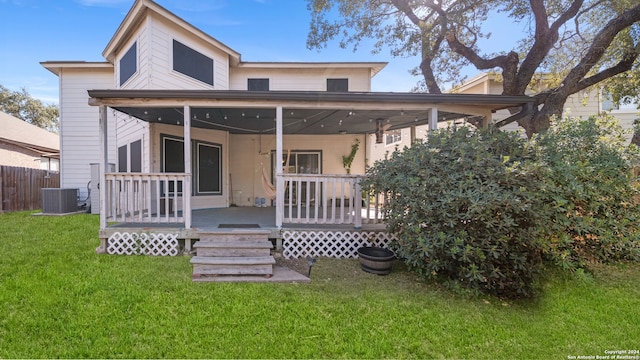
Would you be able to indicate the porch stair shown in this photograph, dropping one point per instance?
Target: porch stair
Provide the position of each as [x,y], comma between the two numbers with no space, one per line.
[233,255]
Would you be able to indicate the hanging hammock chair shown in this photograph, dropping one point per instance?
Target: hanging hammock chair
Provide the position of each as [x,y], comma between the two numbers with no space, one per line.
[268,188]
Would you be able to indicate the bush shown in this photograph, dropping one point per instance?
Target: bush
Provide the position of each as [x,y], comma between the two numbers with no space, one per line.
[589,198]
[464,208]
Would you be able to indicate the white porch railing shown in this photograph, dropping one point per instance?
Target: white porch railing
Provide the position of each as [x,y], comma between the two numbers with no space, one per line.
[146,198]
[328,199]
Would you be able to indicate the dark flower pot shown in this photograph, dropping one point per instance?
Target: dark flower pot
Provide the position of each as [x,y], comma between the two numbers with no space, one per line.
[376,260]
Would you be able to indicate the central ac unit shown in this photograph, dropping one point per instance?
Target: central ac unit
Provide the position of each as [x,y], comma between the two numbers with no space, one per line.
[59,201]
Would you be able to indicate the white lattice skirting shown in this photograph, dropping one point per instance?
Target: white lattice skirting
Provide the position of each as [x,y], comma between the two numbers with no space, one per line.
[126,243]
[335,244]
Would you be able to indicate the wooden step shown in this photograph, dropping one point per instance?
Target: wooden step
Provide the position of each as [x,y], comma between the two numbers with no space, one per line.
[232,265]
[234,234]
[250,248]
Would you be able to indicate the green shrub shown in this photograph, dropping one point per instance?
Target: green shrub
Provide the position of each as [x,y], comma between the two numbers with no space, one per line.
[464,208]
[589,198]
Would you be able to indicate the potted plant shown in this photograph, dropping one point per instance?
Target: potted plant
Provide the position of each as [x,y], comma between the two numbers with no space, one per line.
[348,159]
[376,260]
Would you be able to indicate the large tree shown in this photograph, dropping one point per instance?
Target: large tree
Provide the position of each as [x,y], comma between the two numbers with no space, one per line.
[21,105]
[577,43]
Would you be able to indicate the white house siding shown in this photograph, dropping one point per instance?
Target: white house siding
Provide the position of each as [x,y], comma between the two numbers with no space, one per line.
[300,79]
[210,136]
[161,75]
[626,119]
[129,129]
[79,131]
[250,153]
[377,152]
[139,80]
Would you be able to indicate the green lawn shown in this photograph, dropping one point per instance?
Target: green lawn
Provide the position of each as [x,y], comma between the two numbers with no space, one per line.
[59,299]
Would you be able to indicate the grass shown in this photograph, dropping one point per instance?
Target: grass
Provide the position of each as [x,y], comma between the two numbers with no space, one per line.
[59,299]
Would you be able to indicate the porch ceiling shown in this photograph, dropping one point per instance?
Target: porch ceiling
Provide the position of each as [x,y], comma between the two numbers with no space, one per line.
[304,112]
[295,121]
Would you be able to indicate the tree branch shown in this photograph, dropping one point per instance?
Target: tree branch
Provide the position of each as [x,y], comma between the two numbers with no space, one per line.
[545,38]
[471,55]
[600,44]
[624,65]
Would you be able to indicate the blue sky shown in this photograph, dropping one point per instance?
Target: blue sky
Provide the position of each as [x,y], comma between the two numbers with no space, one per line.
[32,31]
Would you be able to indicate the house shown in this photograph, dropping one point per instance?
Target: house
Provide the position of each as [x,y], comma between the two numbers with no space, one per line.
[585,103]
[26,145]
[189,138]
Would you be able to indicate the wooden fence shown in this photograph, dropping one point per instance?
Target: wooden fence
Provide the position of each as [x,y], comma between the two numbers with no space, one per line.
[21,188]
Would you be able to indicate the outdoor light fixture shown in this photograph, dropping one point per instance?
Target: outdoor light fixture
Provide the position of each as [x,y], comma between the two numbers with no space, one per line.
[159,118]
[207,116]
[310,261]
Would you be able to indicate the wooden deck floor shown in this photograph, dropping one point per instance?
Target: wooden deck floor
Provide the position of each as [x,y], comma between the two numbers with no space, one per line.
[264,217]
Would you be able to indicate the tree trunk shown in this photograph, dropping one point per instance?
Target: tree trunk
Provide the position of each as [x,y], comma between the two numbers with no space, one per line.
[541,118]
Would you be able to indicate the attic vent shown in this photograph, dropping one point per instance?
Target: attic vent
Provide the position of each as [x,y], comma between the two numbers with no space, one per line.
[59,201]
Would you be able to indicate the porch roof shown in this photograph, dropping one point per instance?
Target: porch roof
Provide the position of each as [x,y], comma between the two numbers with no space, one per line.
[304,112]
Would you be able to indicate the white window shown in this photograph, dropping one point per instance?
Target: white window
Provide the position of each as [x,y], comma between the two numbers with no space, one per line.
[129,63]
[192,63]
[393,136]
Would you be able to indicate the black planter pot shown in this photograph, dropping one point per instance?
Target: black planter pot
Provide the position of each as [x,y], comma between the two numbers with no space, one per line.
[376,260]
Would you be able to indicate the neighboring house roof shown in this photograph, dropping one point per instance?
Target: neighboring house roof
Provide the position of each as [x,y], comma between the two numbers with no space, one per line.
[481,79]
[21,133]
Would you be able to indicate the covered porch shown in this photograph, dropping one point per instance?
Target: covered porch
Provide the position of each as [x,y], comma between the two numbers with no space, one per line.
[324,199]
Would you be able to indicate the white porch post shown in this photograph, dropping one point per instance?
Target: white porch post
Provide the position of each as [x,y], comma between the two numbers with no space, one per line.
[486,119]
[433,119]
[413,134]
[104,161]
[186,186]
[279,178]
[358,204]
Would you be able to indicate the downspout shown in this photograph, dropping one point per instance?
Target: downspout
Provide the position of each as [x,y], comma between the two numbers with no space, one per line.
[102,119]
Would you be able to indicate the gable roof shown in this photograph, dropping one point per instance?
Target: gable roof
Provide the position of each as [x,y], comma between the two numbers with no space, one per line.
[140,9]
[138,13]
[19,132]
